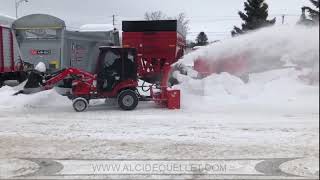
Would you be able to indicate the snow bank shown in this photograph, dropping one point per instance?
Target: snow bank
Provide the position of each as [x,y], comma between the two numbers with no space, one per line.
[276,88]
[43,99]
[267,48]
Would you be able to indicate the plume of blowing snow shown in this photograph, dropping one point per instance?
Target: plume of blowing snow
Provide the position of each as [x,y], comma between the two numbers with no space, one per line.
[266,49]
[273,55]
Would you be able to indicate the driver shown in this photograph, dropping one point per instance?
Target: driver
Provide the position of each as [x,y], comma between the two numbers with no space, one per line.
[109,73]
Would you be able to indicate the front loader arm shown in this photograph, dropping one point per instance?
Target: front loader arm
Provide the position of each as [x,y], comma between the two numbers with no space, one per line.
[82,75]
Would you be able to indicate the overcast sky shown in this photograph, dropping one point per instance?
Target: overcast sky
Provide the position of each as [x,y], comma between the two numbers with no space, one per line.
[215,17]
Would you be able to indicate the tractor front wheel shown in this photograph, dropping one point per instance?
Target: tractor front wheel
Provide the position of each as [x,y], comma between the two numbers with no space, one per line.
[80,104]
[128,100]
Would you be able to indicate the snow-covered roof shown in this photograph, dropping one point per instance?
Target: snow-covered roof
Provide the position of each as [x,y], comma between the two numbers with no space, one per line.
[6,20]
[96,27]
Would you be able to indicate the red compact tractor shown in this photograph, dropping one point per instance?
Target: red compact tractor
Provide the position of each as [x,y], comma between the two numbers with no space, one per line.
[149,49]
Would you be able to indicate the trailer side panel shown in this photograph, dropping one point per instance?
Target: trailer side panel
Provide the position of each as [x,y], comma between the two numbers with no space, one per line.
[1,51]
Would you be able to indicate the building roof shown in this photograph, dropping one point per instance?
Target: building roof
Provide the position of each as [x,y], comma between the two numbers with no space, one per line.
[6,20]
[96,28]
[36,20]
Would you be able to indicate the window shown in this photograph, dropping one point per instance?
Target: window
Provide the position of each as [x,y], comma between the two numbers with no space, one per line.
[40,34]
[131,56]
[110,58]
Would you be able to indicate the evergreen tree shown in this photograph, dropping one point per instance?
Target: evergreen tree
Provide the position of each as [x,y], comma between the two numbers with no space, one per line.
[254,17]
[313,14]
[202,39]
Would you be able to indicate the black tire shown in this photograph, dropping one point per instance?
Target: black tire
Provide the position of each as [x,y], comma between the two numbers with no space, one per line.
[128,100]
[80,104]
[1,81]
[22,77]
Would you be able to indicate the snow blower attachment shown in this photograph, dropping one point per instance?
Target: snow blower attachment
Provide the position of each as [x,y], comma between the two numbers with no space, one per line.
[159,44]
[166,96]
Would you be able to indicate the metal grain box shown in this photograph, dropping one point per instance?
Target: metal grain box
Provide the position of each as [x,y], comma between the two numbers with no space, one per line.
[45,38]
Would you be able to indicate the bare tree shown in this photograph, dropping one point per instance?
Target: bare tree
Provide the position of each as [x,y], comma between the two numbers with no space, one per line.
[155,15]
[159,15]
[184,22]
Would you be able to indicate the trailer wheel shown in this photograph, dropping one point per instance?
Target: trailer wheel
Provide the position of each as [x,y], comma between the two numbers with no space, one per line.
[80,104]
[128,100]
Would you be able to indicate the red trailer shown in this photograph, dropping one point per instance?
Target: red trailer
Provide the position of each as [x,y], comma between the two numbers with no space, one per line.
[157,43]
[6,50]
[11,67]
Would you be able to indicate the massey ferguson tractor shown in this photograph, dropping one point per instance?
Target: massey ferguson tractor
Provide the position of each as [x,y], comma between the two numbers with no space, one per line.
[149,49]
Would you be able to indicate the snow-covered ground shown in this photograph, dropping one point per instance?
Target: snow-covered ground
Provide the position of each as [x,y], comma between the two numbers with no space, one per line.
[274,116]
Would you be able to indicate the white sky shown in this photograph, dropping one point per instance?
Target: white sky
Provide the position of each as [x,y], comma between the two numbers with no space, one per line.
[215,17]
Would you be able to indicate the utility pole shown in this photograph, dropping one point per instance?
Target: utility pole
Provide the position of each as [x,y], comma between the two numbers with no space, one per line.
[283,18]
[17,4]
[113,20]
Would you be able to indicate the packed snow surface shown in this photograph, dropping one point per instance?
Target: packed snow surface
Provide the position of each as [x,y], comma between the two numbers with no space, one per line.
[277,92]
[281,88]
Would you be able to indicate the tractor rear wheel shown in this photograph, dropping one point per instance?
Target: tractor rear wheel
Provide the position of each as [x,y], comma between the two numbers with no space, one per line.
[80,104]
[128,100]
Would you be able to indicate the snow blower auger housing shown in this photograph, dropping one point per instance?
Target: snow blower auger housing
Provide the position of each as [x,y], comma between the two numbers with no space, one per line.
[116,77]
